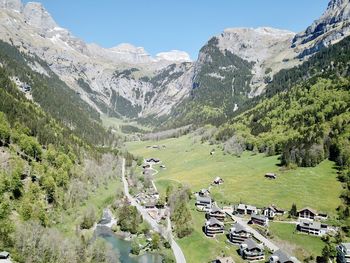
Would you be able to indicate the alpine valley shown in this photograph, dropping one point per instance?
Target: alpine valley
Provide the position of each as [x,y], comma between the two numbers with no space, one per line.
[157,145]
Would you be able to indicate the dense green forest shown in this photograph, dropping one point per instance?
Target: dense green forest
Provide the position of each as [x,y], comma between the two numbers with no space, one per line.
[47,168]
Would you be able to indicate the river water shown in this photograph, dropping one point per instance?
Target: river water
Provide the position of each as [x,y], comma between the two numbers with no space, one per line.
[121,246]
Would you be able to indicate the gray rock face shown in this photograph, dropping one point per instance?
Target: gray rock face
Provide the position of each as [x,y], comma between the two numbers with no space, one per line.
[331,27]
[11,4]
[36,15]
[127,79]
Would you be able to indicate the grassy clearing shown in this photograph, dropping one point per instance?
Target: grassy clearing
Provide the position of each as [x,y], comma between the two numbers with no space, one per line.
[189,162]
[116,123]
[300,245]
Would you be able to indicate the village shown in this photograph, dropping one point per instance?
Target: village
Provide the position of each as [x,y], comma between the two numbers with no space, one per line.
[245,225]
[248,230]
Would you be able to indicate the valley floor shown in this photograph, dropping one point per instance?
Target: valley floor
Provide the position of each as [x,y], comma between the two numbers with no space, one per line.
[188,162]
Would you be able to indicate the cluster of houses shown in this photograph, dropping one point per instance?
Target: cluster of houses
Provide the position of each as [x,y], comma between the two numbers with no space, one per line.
[309,222]
[238,234]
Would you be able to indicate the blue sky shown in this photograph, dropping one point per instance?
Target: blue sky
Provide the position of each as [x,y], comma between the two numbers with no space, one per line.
[162,25]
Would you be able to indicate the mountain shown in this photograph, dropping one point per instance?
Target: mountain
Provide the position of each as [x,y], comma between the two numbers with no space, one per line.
[239,65]
[232,68]
[90,70]
[329,29]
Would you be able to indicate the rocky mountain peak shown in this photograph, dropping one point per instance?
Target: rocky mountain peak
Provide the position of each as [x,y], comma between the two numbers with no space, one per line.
[331,27]
[36,15]
[15,5]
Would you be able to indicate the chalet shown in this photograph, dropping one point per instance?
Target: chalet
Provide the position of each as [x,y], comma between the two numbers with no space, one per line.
[312,227]
[271,176]
[272,211]
[216,212]
[218,181]
[204,192]
[238,234]
[259,220]
[213,227]
[343,253]
[307,213]
[246,209]
[251,251]
[4,255]
[223,260]
[152,160]
[204,202]
[282,257]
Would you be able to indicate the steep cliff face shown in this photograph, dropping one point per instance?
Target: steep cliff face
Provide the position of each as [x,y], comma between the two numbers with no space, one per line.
[330,28]
[89,69]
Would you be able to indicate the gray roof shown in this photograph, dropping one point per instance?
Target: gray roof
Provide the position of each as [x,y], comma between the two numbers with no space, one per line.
[238,228]
[308,208]
[243,206]
[251,244]
[213,221]
[284,257]
[311,224]
[205,199]
[259,217]
[215,208]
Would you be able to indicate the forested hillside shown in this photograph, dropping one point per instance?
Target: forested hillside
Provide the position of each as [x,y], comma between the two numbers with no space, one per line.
[52,94]
[47,168]
[305,122]
[220,86]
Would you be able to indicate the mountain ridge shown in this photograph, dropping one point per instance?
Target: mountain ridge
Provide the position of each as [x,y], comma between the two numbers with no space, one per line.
[127,76]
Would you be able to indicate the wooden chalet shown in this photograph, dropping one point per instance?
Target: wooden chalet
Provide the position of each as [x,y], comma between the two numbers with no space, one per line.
[251,250]
[238,234]
[213,227]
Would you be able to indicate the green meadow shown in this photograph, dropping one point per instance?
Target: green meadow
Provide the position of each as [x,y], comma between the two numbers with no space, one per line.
[189,162]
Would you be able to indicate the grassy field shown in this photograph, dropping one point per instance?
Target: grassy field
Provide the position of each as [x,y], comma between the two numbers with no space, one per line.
[189,162]
[116,123]
[300,245]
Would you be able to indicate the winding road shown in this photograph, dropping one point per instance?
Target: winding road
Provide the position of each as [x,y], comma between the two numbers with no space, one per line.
[165,232]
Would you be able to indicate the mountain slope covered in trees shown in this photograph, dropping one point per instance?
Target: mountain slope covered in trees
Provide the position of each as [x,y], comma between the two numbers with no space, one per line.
[47,168]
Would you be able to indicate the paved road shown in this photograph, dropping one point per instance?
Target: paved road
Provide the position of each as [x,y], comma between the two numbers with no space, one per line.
[256,234]
[165,232]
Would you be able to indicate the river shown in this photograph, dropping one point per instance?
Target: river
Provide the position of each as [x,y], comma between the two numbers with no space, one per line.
[122,247]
